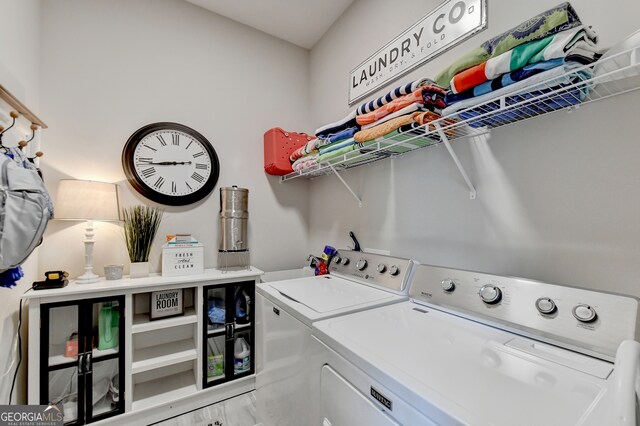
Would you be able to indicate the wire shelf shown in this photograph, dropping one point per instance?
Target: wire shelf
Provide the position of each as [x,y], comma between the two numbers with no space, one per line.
[610,76]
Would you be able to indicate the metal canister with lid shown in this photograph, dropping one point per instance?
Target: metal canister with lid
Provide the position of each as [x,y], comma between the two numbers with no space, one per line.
[234,216]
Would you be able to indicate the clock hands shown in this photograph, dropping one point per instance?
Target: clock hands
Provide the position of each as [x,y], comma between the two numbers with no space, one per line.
[167,163]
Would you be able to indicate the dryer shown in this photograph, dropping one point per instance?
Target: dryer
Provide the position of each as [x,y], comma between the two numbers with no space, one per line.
[470,348]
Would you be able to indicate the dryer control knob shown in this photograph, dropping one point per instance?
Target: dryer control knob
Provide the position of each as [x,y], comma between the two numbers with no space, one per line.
[381,268]
[337,260]
[490,294]
[584,313]
[546,306]
[394,270]
[345,261]
[448,285]
[361,265]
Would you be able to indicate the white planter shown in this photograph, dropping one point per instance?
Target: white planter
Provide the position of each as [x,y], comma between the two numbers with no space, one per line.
[139,269]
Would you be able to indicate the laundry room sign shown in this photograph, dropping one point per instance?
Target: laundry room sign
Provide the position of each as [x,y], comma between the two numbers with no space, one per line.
[441,29]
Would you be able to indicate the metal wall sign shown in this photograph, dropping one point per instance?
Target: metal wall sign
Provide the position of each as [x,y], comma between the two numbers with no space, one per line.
[440,30]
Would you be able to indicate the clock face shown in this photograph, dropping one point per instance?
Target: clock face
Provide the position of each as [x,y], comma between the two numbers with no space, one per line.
[170,163]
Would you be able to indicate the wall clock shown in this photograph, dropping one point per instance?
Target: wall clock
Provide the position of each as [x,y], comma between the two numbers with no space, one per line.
[170,163]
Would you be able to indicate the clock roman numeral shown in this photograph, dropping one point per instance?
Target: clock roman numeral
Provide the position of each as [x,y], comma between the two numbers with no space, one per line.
[147,173]
[188,186]
[198,154]
[159,182]
[175,139]
[144,160]
[190,142]
[147,146]
[174,188]
[201,166]
[195,176]
[161,139]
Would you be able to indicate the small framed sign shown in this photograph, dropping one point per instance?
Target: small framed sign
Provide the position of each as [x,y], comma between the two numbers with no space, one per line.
[166,303]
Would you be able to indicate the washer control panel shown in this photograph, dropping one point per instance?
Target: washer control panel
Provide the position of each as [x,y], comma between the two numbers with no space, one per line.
[391,273]
[586,321]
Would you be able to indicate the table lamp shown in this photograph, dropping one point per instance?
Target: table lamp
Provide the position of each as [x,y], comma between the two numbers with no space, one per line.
[87,200]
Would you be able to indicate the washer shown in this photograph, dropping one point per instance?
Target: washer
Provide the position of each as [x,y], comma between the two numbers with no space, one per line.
[476,349]
[287,385]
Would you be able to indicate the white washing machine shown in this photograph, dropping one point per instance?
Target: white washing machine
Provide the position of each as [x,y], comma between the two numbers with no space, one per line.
[477,349]
[287,388]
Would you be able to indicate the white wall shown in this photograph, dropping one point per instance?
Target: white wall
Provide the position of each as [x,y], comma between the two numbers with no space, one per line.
[110,67]
[19,71]
[557,195]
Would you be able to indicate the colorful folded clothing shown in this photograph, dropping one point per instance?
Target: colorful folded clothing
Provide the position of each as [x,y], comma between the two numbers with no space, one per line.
[337,145]
[393,94]
[558,93]
[552,77]
[581,39]
[305,162]
[504,80]
[433,97]
[308,148]
[390,108]
[560,18]
[326,157]
[384,128]
[409,109]
[338,126]
[345,134]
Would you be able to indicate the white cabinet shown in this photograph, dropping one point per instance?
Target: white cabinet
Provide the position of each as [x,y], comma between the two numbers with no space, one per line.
[159,364]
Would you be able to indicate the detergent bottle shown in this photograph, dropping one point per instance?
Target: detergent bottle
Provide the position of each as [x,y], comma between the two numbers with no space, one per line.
[241,356]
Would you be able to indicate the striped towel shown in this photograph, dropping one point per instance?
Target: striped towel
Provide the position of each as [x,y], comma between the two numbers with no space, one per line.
[394,94]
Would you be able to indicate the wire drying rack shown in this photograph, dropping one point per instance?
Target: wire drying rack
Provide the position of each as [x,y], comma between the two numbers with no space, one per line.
[611,75]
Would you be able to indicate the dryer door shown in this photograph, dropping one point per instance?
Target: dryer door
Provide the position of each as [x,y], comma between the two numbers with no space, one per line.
[344,405]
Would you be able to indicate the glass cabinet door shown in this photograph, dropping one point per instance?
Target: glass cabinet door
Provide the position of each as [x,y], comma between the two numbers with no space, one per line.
[105,332]
[243,297]
[81,358]
[60,363]
[228,334]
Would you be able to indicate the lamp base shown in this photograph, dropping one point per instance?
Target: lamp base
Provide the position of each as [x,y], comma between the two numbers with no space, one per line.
[87,278]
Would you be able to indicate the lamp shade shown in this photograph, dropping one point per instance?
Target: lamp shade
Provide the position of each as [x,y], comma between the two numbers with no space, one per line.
[87,200]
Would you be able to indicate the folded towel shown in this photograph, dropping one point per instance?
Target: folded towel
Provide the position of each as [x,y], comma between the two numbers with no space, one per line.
[404,111]
[393,94]
[558,45]
[533,83]
[504,80]
[560,18]
[336,145]
[305,162]
[384,128]
[338,126]
[391,107]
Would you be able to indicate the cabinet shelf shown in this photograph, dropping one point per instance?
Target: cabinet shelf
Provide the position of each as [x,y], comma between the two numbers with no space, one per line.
[219,331]
[97,355]
[141,322]
[616,74]
[163,390]
[163,355]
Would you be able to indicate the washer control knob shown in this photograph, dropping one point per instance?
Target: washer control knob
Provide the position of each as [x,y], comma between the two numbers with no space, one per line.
[448,285]
[394,270]
[361,265]
[381,267]
[345,261]
[337,260]
[584,313]
[490,294]
[545,306]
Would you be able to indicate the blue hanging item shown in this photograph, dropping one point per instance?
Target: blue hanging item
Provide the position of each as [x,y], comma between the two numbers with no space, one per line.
[9,277]
[216,312]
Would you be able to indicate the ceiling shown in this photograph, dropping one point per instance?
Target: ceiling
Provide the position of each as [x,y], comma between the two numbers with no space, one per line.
[301,22]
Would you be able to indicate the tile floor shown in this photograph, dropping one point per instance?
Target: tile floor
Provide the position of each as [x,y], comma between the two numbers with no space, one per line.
[238,411]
